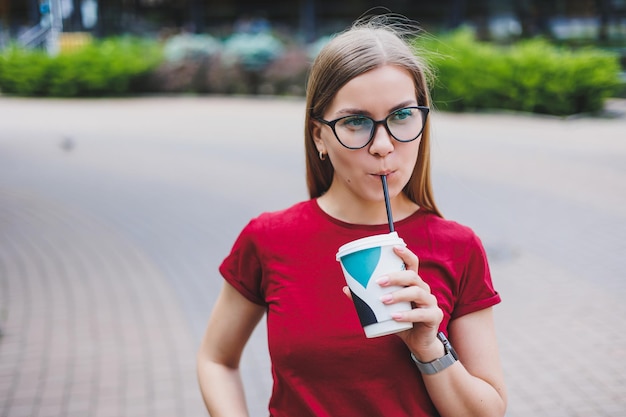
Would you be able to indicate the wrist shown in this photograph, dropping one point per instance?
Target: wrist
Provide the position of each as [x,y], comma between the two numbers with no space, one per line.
[440,363]
[429,353]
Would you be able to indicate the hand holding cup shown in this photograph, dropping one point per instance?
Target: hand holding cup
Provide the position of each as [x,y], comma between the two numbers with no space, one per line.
[425,314]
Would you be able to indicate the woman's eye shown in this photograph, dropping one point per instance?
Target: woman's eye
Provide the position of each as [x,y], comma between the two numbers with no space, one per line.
[402,114]
[356,122]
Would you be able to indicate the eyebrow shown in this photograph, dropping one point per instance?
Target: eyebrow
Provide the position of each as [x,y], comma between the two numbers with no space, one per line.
[350,111]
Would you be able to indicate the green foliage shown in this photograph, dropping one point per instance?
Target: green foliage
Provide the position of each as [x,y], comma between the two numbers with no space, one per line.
[531,76]
[23,72]
[110,67]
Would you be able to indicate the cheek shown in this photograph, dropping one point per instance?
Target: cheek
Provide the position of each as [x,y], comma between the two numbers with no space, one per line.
[412,155]
[343,163]
[344,169]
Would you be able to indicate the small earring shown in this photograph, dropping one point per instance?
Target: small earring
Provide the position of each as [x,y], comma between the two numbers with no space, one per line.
[322,156]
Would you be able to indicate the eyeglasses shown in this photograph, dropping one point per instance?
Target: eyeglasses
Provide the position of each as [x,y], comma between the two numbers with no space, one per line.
[356,131]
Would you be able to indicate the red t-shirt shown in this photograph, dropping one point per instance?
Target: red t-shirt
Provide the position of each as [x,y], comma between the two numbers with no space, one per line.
[322,363]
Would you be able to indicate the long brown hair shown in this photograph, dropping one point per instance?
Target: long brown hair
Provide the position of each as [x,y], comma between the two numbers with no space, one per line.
[368,44]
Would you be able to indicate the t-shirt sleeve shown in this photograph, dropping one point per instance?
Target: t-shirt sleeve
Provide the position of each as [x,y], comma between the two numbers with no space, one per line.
[476,290]
[242,268]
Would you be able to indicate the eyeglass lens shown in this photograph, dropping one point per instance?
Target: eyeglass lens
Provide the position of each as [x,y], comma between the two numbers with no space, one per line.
[405,124]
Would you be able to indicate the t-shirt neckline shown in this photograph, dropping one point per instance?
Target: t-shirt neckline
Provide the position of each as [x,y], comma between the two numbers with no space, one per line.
[372,227]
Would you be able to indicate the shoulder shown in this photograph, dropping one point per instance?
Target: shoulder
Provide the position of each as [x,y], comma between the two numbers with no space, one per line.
[270,227]
[275,233]
[435,237]
[286,219]
[448,230]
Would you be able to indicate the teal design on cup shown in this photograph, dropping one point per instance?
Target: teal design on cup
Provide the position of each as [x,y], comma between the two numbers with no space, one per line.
[361,265]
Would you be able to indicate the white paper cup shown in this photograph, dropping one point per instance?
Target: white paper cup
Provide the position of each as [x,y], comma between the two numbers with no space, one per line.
[363,261]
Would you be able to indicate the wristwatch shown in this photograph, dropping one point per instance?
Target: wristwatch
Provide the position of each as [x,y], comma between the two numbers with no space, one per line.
[438,365]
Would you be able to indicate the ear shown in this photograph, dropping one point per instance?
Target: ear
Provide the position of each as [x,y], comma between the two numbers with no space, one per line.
[316,134]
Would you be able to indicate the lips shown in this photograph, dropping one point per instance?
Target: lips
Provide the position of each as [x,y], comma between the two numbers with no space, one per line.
[381,173]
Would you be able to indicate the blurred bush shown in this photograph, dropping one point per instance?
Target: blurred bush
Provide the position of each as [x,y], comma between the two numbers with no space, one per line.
[244,63]
[249,55]
[190,47]
[187,59]
[23,72]
[253,51]
[530,76]
[115,66]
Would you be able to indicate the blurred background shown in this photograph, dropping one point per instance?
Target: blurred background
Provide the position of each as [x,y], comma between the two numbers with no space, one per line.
[577,48]
[137,138]
[600,20]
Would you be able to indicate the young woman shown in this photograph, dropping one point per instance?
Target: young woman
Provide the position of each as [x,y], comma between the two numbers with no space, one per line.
[367,116]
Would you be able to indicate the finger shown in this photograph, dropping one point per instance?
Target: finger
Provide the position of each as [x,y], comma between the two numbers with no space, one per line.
[410,259]
[430,317]
[405,278]
[418,296]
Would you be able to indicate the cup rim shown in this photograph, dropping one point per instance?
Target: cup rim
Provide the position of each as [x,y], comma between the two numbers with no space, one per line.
[387,239]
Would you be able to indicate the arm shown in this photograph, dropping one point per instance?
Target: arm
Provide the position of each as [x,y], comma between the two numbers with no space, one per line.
[473,386]
[231,323]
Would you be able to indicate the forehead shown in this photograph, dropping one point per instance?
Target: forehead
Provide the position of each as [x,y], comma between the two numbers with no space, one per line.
[377,91]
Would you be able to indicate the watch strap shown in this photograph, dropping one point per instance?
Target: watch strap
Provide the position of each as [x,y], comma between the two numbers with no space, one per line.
[438,365]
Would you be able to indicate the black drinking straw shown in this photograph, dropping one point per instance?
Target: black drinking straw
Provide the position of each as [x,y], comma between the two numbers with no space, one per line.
[383,178]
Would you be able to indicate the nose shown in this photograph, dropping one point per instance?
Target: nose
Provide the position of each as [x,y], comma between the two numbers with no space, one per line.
[382,142]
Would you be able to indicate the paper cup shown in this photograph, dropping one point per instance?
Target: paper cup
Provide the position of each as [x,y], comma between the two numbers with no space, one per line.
[363,261]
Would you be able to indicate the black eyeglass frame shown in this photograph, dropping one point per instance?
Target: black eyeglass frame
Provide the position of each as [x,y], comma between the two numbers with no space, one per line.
[331,123]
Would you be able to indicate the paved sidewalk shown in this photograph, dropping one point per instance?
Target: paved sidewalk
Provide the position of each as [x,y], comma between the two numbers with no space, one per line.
[114,215]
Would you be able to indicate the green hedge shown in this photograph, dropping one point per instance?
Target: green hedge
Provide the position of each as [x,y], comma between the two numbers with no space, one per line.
[114,66]
[530,76]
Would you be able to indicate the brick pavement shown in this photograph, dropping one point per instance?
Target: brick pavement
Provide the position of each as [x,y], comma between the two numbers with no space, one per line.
[109,247]
[90,327]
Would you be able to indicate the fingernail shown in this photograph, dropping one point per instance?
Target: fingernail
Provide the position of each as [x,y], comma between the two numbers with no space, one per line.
[397,316]
[386,298]
[384,280]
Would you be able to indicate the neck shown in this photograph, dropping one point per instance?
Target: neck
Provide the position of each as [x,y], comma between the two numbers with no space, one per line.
[366,212]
